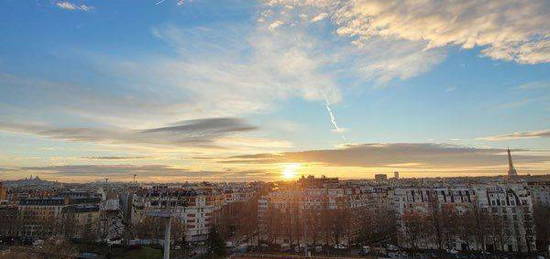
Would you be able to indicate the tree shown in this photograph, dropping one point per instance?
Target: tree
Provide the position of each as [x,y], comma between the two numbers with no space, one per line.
[377,225]
[542,228]
[216,245]
[68,226]
[149,228]
[58,247]
[449,226]
[154,227]
[497,231]
[177,232]
[476,224]
[438,219]
[272,224]
[312,220]
[415,227]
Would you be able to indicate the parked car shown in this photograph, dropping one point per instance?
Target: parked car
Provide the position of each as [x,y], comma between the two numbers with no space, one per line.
[285,247]
[452,251]
[391,247]
[340,246]
[38,242]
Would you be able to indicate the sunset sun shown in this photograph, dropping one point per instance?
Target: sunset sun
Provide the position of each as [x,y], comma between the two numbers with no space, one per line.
[290,170]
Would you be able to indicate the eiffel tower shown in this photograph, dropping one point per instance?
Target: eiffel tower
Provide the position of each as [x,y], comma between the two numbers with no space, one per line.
[511,170]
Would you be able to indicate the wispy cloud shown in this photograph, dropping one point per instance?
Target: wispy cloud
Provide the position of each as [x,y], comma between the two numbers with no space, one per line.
[450,89]
[274,25]
[144,173]
[535,85]
[319,17]
[115,157]
[75,7]
[506,30]
[519,135]
[420,155]
[379,59]
[197,133]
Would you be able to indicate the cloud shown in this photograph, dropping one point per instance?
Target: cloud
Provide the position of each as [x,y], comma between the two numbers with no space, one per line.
[115,157]
[519,135]
[506,30]
[227,71]
[414,155]
[70,6]
[196,133]
[379,59]
[274,25]
[214,125]
[319,17]
[450,89]
[535,85]
[143,172]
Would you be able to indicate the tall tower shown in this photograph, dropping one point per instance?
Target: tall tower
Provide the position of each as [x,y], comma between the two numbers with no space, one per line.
[511,170]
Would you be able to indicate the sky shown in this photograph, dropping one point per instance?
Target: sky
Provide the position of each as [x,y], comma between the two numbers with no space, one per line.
[244,90]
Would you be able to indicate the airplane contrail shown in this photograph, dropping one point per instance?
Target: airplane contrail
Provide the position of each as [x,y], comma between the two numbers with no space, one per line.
[333,119]
[160,2]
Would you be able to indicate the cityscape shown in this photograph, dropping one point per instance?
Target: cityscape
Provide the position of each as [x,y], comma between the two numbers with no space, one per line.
[274,129]
[322,217]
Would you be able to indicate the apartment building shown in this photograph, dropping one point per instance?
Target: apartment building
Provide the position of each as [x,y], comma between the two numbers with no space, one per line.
[540,192]
[512,205]
[506,208]
[195,207]
[298,213]
[40,217]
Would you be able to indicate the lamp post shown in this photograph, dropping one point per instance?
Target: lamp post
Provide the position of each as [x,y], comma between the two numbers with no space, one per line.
[167,238]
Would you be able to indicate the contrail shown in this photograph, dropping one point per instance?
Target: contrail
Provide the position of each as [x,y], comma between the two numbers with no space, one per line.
[160,2]
[333,119]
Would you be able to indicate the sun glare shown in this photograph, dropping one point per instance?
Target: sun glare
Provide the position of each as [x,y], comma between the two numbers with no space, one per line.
[290,171]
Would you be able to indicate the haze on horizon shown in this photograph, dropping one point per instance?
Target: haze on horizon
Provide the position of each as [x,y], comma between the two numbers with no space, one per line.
[237,90]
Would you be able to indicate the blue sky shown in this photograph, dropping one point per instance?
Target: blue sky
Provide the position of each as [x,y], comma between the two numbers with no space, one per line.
[187,89]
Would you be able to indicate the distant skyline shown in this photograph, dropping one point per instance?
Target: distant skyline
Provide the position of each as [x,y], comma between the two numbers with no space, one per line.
[234,90]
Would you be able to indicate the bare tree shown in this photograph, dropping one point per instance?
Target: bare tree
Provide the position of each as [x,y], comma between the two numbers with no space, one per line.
[415,227]
[377,225]
[58,247]
[541,215]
